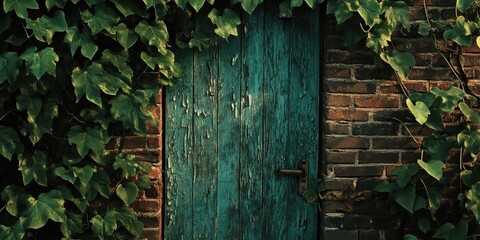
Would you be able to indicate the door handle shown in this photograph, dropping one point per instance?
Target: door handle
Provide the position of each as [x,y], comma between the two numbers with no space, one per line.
[301,173]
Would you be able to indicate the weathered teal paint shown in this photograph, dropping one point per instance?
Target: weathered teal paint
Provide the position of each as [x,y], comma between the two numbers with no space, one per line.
[244,109]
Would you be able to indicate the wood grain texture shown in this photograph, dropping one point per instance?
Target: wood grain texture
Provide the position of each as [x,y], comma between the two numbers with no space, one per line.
[178,154]
[252,155]
[244,109]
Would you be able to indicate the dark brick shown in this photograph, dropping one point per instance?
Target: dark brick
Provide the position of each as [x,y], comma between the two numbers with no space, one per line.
[431,74]
[351,87]
[353,221]
[346,57]
[347,143]
[153,222]
[409,157]
[378,157]
[152,233]
[333,221]
[338,72]
[393,116]
[377,101]
[371,207]
[436,3]
[385,221]
[341,157]
[375,129]
[336,206]
[385,73]
[340,234]
[133,142]
[379,235]
[339,184]
[358,171]
[346,114]
[367,183]
[395,143]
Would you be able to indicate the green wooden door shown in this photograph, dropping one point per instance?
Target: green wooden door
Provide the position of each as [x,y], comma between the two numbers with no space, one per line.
[244,109]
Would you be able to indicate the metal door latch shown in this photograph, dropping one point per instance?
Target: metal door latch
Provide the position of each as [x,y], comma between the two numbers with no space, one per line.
[301,173]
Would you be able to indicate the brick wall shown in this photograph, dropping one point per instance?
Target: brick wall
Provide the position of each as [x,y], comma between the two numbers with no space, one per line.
[148,149]
[363,138]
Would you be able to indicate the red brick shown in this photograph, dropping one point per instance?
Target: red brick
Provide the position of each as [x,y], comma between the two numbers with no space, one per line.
[150,222]
[347,143]
[431,74]
[347,115]
[155,173]
[411,86]
[341,157]
[152,233]
[337,128]
[358,171]
[154,142]
[147,205]
[436,3]
[338,100]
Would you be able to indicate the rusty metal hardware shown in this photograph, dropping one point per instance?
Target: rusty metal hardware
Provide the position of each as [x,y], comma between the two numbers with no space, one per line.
[301,173]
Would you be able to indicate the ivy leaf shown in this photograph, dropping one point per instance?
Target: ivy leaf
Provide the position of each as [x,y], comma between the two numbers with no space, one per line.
[434,168]
[144,182]
[449,98]
[369,10]
[463,5]
[311,3]
[9,141]
[340,9]
[296,3]
[155,34]
[127,163]
[44,27]
[401,62]
[419,203]
[9,67]
[471,115]
[75,39]
[43,122]
[470,139]
[424,28]
[118,60]
[461,32]
[104,227]
[196,4]
[181,3]
[127,218]
[32,104]
[93,81]
[434,199]
[128,7]
[473,200]
[352,36]
[131,111]
[125,36]
[423,224]
[73,225]
[409,237]
[39,63]
[449,232]
[419,110]
[16,199]
[127,192]
[396,14]
[47,206]
[385,186]
[153,60]
[16,231]
[52,3]
[20,7]
[438,146]
[405,173]
[33,167]
[405,197]
[226,23]
[87,139]
[250,5]
[435,120]
[379,38]
[104,18]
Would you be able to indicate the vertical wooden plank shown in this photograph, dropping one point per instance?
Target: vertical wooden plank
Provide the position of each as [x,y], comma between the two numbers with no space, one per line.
[276,104]
[228,139]
[178,153]
[303,118]
[251,165]
[205,138]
